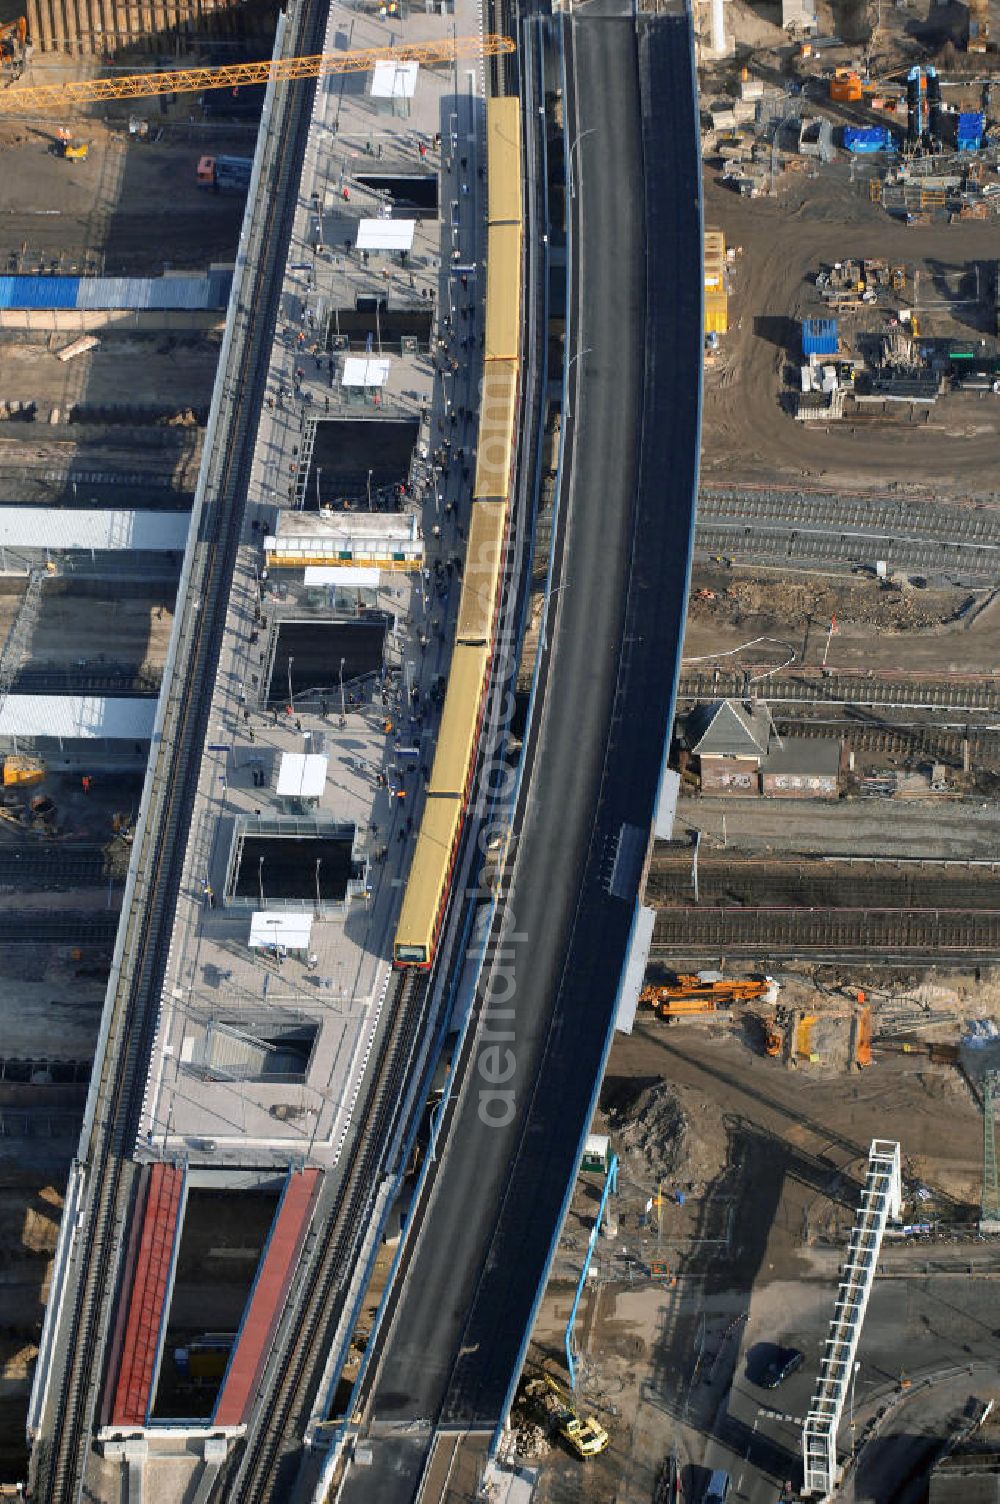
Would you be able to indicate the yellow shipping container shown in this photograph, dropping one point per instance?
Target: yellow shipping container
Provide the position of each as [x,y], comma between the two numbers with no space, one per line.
[716,313]
[503,158]
[715,245]
[503,292]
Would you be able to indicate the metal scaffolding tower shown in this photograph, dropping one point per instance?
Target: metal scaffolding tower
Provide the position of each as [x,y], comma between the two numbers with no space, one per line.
[881,1199]
[989,1219]
[16,649]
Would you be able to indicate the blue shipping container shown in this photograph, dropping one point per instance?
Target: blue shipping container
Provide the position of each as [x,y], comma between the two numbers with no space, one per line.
[969,131]
[863,139]
[819,337]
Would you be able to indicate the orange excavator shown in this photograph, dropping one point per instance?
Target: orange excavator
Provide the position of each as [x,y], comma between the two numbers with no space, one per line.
[707,992]
[13,47]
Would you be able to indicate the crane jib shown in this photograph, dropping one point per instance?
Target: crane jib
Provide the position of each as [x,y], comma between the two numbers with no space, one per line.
[24,100]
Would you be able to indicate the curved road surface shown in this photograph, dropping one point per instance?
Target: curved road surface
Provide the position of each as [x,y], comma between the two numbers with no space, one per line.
[456,1331]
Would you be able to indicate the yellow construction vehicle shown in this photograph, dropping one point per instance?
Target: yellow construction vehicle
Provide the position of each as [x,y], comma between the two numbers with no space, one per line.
[585,1436]
[41,97]
[64,146]
[802,1043]
[706,993]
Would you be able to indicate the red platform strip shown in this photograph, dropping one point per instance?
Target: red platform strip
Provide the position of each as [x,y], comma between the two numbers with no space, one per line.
[267,1299]
[149,1288]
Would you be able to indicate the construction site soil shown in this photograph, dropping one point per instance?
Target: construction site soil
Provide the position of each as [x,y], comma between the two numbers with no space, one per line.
[770,1163]
[880,625]
[747,434]
[172,372]
[133,208]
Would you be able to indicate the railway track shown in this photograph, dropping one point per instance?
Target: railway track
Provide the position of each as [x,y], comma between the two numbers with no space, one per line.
[961,695]
[60,1456]
[825,510]
[826,545]
[863,936]
[267,1467]
[761,884]
[48,927]
[53,867]
[911,741]
[126,682]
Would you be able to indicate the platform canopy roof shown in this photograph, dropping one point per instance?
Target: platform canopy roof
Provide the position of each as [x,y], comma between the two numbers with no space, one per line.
[365,370]
[270,927]
[59,529]
[394,80]
[302,775]
[386,234]
[78,717]
[342,574]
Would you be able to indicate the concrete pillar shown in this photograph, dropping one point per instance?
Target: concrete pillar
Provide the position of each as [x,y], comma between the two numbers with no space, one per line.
[64,25]
[121,22]
[718,28]
[79,10]
[44,38]
[108,38]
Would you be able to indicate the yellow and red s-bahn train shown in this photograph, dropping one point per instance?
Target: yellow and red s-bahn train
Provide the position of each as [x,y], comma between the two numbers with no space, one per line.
[449,790]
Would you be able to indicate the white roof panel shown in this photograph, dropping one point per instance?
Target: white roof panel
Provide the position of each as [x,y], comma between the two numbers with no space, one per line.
[365,370]
[77,717]
[386,234]
[55,529]
[274,927]
[302,775]
[341,574]
[394,80]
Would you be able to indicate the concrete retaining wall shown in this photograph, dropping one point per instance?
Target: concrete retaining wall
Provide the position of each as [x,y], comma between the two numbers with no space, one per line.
[89,320]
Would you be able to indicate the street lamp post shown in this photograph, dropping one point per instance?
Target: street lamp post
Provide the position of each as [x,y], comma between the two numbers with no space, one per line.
[369,490]
[569,159]
[319,901]
[343,710]
[291,697]
[319,472]
[569,367]
[545,614]
[260,879]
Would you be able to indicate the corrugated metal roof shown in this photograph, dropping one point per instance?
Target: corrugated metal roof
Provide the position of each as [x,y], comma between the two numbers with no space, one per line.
[168,292]
[210,290]
[46,527]
[38,292]
[77,717]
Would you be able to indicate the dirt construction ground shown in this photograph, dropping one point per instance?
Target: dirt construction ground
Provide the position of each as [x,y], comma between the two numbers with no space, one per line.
[880,625]
[746,435]
[770,1162]
[132,209]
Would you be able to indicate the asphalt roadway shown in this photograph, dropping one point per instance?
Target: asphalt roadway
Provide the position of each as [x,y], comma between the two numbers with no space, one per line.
[494,1209]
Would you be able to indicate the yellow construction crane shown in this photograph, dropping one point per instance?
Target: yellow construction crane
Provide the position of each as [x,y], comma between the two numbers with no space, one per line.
[41,97]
